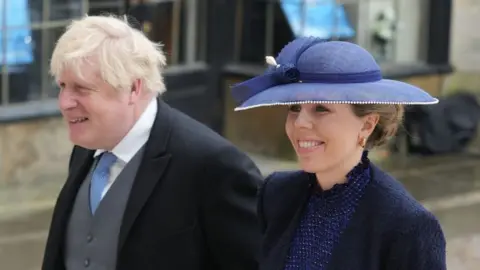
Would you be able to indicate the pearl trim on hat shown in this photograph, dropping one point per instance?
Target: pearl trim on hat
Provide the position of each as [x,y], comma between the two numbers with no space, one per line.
[335,102]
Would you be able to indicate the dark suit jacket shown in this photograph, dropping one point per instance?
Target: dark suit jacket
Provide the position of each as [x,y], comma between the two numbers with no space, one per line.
[389,229]
[192,205]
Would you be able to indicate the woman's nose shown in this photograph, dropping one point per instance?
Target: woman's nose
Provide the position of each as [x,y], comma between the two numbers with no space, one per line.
[303,120]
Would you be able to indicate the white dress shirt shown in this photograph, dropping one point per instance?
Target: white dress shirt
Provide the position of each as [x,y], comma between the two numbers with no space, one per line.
[126,149]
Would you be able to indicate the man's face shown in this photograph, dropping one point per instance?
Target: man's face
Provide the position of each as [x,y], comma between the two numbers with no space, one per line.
[98,115]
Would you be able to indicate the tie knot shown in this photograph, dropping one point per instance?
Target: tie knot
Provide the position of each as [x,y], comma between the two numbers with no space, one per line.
[106,160]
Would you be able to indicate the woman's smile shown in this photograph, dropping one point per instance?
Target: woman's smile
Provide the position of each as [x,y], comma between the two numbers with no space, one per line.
[308,146]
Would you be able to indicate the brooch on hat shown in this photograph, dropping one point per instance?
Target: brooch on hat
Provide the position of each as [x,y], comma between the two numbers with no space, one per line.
[285,73]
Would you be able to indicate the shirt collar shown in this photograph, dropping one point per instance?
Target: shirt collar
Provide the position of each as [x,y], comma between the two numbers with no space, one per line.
[137,136]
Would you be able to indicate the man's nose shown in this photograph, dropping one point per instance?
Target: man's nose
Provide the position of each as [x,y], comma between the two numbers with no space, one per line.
[66,100]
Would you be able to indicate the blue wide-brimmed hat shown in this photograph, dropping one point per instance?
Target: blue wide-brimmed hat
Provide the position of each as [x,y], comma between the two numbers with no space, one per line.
[311,70]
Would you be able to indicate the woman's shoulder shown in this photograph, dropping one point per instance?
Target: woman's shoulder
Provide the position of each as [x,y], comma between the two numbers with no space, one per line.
[392,202]
[391,193]
[414,235]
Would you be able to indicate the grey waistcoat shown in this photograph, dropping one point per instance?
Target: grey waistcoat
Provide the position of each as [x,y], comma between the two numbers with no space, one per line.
[91,241]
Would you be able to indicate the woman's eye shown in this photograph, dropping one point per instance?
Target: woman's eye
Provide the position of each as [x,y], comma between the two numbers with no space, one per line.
[320,108]
[294,108]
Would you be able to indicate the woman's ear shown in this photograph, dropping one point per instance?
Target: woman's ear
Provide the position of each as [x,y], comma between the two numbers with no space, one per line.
[369,123]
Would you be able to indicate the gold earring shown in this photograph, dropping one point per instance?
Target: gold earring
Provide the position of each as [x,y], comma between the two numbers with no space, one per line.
[363,142]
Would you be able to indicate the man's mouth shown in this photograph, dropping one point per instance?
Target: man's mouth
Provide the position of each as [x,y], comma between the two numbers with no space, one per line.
[78,120]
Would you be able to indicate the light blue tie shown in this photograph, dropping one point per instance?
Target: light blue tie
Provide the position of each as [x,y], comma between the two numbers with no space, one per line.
[100,179]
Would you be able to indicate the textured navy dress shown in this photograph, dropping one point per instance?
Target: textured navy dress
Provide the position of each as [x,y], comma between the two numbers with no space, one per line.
[326,216]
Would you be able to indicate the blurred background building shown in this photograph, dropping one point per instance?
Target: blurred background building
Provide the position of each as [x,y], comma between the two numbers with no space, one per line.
[210,45]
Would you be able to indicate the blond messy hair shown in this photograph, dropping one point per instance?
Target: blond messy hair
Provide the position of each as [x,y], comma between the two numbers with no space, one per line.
[121,53]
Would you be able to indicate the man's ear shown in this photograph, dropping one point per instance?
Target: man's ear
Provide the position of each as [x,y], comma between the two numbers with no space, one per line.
[136,91]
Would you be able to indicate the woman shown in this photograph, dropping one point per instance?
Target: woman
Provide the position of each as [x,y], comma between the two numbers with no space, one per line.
[340,212]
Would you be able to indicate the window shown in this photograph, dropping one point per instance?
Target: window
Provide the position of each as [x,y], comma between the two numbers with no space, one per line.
[30,29]
[100,7]
[263,27]
[180,25]
[393,30]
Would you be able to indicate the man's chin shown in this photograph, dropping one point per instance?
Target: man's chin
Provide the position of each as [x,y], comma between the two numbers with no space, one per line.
[87,144]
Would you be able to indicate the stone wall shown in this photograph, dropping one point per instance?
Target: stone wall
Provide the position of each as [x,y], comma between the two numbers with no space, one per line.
[34,156]
[465,52]
[465,47]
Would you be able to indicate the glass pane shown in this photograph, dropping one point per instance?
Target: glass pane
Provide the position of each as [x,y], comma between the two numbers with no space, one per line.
[23,61]
[141,12]
[273,24]
[201,37]
[65,9]
[325,19]
[253,32]
[101,7]
[35,8]
[167,22]
[382,18]
[105,3]
[50,88]
[115,10]
[20,13]
[165,26]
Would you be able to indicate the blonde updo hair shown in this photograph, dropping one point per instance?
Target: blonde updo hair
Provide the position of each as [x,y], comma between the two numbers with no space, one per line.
[121,53]
[390,118]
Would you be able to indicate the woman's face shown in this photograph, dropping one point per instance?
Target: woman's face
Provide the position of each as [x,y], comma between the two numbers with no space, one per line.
[326,136]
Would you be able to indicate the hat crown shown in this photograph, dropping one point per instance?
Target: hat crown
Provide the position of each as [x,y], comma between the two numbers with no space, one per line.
[312,55]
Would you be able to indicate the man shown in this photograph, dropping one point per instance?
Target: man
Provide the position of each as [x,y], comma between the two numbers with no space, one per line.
[148,187]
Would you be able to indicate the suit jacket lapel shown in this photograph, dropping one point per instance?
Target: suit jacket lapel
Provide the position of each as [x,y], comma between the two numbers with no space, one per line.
[151,169]
[297,201]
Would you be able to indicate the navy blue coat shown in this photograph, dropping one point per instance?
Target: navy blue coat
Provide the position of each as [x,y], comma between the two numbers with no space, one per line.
[389,230]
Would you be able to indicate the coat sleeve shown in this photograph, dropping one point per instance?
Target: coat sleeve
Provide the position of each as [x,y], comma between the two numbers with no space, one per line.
[420,246]
[264,203]
[229,216]
[262,216]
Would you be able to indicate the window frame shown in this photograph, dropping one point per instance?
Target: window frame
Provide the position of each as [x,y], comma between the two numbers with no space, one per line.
[195,67]
[435,49]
